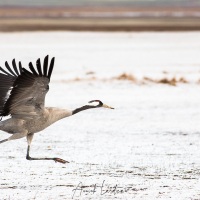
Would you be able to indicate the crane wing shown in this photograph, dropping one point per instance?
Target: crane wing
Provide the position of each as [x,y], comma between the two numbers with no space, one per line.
[7,80]
[28,91]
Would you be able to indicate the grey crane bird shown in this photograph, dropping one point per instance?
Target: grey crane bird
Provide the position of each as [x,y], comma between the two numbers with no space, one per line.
[22,97]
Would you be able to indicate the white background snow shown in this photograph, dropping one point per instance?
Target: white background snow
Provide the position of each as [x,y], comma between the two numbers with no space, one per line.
[148,146]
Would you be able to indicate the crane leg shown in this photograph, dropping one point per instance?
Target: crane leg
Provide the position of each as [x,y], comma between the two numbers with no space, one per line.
[3,141]
[15,136]
[29,139]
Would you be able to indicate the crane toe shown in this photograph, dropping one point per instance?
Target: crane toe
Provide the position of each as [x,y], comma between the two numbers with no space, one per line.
[60,160]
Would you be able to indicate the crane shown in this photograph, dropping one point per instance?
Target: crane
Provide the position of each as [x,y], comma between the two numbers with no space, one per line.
[22,99]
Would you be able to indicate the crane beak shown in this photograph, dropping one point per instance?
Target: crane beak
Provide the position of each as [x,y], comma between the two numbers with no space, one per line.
[106,106]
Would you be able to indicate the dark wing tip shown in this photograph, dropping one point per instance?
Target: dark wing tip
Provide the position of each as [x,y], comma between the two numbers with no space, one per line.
[51,68]
[20,67]
[44,71]
[9,69]
[45,65]
[38,64]
[5,72]
[32,69]
[15,67]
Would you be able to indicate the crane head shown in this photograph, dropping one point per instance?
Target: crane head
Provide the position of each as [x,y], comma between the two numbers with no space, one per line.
[101,104]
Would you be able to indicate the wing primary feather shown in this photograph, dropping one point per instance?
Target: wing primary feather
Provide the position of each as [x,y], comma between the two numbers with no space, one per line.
[51,68]
[20,67]
[32,69]
[15,67]
[38,64]
[4,71]
[9,69]
[45,65]
[26,72]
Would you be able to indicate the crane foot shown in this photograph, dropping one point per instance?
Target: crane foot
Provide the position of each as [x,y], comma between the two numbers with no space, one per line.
[60,160]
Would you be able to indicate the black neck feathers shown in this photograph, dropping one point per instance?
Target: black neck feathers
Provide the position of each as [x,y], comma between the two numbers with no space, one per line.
[87,107]
[82,108]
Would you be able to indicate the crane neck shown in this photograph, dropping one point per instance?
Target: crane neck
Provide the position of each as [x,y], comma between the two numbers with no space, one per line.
[86,107]
[56,114]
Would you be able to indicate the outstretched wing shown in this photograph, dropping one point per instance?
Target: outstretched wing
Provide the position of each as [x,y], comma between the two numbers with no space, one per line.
[7,79]
[27,96]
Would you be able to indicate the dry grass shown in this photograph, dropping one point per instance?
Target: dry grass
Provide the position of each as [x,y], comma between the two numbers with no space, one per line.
[170,81]
[131,78]
[125,76]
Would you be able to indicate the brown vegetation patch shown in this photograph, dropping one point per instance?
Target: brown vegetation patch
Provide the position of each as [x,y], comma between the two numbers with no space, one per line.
[77,79]
[173,81]
[129,77]
[170,81]
[182,80]
[126,76]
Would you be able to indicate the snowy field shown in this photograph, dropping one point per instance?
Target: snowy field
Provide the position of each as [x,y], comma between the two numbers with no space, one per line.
[147,148]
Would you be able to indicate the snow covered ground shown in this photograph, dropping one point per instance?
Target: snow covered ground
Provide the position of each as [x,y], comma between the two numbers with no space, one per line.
[147,148]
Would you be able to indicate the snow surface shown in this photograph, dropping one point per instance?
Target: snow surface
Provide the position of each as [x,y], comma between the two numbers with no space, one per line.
[147,148]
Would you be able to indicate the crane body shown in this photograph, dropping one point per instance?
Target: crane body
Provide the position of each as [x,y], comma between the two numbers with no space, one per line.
[22,97]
